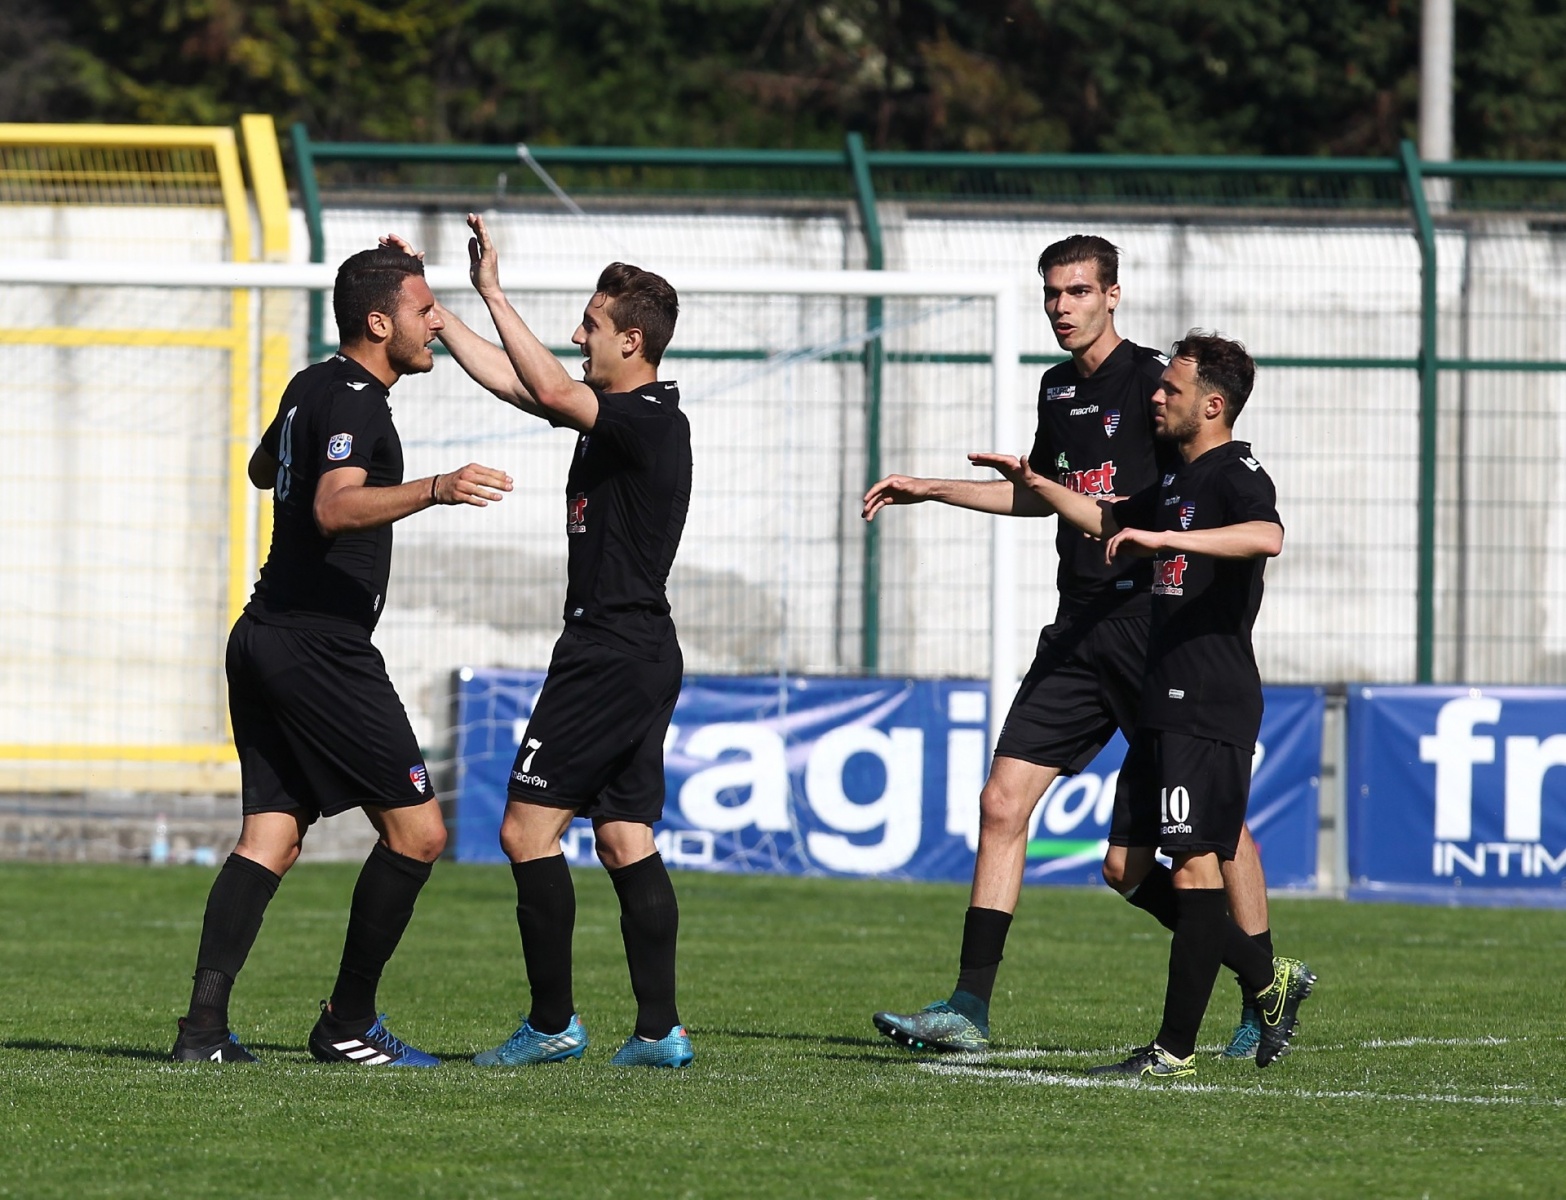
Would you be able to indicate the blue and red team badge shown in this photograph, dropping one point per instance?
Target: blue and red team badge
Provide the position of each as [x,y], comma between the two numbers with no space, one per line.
[420,778]
[1111,422]
[1187,514]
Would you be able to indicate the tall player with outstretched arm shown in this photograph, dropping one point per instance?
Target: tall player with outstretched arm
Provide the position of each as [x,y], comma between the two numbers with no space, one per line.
[1095,436]
[1206,528]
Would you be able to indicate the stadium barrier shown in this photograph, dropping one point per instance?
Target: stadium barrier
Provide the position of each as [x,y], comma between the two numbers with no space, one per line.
[1454,796]
[866,777]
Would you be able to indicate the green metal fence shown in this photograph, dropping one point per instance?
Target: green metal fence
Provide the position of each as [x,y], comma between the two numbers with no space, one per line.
[885,191]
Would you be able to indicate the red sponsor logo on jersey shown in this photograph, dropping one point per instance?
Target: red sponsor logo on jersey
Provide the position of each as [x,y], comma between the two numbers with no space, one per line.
[576,514]
[1096,481]
[1169,575]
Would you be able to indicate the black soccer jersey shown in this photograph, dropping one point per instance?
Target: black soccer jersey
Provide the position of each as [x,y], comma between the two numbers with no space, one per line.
[333,414]
[1095,436]
[626,498]
[1201,670]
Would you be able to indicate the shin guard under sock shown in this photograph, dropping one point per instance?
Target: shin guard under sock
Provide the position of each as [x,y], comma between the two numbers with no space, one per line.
[1194,959]
[235,907]
[383,899]
[983,943]
[650,927]
[546,920]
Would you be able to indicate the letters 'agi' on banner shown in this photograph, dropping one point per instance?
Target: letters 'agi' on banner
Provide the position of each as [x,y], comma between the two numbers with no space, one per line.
[863,777]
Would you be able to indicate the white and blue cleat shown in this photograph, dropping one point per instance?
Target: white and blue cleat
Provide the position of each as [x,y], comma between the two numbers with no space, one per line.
[528,1046]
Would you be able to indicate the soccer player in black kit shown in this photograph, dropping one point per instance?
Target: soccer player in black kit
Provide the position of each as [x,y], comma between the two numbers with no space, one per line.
[1206,527]
[593,746]
[1095,436]
[318,727]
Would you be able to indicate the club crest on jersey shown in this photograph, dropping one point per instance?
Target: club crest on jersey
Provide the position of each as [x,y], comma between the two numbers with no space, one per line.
[576,513]
[1065,392]
[419,777]
[1111,422]
[1187,514]
[340,446]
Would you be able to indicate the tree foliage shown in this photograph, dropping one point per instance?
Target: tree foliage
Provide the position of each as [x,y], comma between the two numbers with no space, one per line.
[1155,76]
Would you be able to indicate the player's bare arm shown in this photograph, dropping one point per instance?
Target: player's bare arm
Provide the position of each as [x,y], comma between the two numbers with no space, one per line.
[343,503]
[1248,539]
[997,496]
[567,400]
[1087,513]
[485,363]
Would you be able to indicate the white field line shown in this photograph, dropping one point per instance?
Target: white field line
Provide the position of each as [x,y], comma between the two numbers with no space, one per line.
[1051,1079]
[989,1056]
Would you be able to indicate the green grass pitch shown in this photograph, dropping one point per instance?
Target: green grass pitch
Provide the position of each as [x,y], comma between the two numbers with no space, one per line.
[1431,1060]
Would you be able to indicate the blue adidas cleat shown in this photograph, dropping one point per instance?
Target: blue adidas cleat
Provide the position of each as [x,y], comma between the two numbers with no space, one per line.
[376,1046]
[671,1050]
[528,1046]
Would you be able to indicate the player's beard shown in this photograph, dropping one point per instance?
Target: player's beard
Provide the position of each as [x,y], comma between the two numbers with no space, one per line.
[407,354]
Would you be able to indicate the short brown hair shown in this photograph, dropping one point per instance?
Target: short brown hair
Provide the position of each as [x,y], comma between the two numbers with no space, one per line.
[642,301]
[1083,248]
[1222,366]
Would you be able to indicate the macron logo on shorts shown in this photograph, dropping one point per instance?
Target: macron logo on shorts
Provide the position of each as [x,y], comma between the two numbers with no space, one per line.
[420,778]
[340,447]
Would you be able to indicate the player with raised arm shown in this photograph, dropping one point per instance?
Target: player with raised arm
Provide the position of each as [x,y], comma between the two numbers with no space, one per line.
[1095,436]
[1206,527]
[318,727]
[593,746]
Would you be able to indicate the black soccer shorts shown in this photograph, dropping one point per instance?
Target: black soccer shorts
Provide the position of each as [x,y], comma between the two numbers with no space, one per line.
[1085,682]
[317,723]
[595,740]
[1182,794]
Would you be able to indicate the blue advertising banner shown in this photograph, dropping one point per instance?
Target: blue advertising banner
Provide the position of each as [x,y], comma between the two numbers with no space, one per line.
[880,777]
[1452,799]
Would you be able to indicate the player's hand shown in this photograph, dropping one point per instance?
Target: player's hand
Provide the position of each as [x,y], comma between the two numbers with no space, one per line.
[1134,543]
[391,239]
[894,489]
[473,484]
[483,265]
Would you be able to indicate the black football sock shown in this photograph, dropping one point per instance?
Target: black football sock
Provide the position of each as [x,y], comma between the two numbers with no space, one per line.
[235,906]
[383,900]
[546,919]
[1156,895]
[1195,954]
[1262,940]
[983,941]
[650,928]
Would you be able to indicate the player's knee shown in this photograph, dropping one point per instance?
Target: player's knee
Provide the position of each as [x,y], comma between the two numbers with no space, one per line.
[1114,873]
[1003,813]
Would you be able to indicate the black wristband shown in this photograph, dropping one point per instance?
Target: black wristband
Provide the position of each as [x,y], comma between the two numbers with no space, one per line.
[434,482]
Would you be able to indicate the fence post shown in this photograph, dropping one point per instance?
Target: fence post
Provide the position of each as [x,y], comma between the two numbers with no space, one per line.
[310,197]
[875,361]
[1413,180]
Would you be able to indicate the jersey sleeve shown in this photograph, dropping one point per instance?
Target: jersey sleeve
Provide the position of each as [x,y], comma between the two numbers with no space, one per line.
[634,425]
[1249,494]
[353,427]
[1139,511]
[1041,456]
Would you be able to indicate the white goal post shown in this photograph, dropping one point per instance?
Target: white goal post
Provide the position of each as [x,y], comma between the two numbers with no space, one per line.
[1004,353]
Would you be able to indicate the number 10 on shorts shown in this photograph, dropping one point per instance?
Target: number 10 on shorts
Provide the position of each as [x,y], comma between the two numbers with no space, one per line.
[1175,805]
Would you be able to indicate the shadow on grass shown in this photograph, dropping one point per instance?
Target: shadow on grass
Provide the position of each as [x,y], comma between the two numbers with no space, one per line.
[140,1053]
[769,1036]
